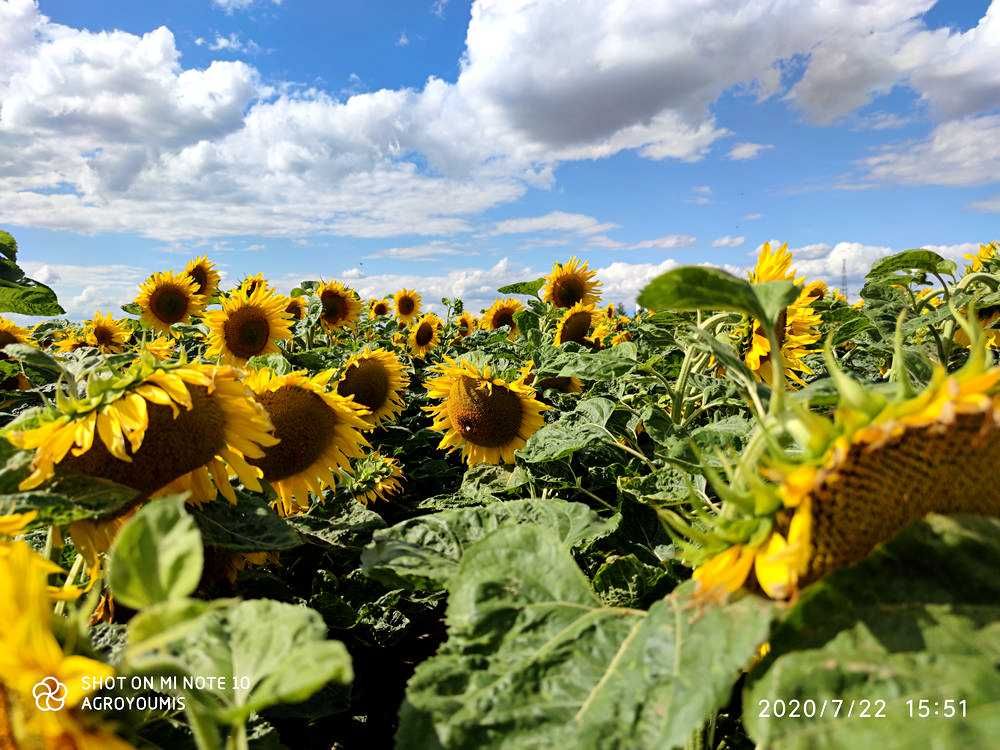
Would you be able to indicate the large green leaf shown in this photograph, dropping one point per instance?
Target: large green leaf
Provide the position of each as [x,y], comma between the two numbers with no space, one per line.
[919,619]
[8,245]
[535,660]
[571,432]
[605,364]
[920,260]
[700,288]
[157,555]
[268,652]
[523,287]
[20,294]
[248,526]
[425,552]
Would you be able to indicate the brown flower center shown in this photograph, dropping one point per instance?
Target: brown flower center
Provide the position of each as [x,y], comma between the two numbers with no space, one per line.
[380,308]
[575,328]
[368,382]
[171,447]
[246,332]
[483,413]
[503,318]
[405,305]
[104,336]
[424,334]
[200,277]
[170,303]
[567,291]
[305,425]
[334,306]
[295,308]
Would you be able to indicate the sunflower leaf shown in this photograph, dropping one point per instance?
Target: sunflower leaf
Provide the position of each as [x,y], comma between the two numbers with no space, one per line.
[571,432]
[701,288]
[523,287]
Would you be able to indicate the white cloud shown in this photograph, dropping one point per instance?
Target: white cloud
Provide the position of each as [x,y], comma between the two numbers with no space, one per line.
[988,206]
[555,221]
[961,152]
[744,151]
[667,242]
[82,289]
[438,8]
[403,40]
[231,6]
[420,252]
[752,217]
[729,241]
[701,195]
[881,121]
[231,43]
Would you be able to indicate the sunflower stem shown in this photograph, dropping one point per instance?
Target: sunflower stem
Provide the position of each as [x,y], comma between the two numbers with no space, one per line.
[777,403]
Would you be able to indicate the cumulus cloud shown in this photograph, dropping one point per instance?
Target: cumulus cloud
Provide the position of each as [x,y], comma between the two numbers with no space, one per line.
[82,289]
[231,43]
[745,151]
[729,241]
[555,221]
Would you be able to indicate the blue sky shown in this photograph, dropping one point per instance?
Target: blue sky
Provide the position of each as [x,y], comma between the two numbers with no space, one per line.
[457,147]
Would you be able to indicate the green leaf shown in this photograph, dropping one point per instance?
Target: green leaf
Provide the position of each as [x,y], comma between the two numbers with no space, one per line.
[775,296]
[425,552]
[570,433]
[918,619]
[157,555]
[249,526]
[269,653]
[701,288]
[535,659]
[605,364]
[523,287]
[921,260]
[132,308]
[274,362]
[8,245]
[341,523]
[625,581]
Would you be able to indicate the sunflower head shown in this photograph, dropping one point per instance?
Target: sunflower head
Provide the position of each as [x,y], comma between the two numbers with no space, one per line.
[161,347]
[854,481]
[375,379]
[248,325]
[11,333]
[798,332]
[487,417]
[425,335]
[407,304]
[465,324]
[340,306]
[166,298]
[202,271]
[296,308]
[106,334]
[251,284]
[319,432]
[501,315]
[69,340]
[772,265]
[373,477]
[379,308]
[570,283]
[575,325]
[983,259]
[157,429]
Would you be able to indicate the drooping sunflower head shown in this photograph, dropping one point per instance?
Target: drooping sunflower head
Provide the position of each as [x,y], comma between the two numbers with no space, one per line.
[855,481]
[376,381]
[465,324]
[106,334]
[319,432]
[575,325]
[772,265]
[373,477]
[202,271]
[570,283]
[570,384]
[379,308]
[248,325]
[407,303]
[425,335]
[501,315]
[166,298]
[297,308]
[487,417]
[11,333]
[157,429]
[340,304]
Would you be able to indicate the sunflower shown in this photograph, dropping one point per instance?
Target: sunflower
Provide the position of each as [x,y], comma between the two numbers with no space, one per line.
[488,417]
[161,429]
[11,333]
[465,324]
[106,334]
[575,325]
[857,480]
[981,261]
[373,477]
[297,307]
[202,271]
[378,308]
[69,340]
[30,654]
[341,306]
[248,325]
[161,347]
[251,284]
[773,265]
[425,335]
[501,314]
[407,304]
[376,381]
[570,283]
[571,384]
[166,298]
[319,430]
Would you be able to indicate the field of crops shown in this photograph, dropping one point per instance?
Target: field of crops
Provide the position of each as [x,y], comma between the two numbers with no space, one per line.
[752,512]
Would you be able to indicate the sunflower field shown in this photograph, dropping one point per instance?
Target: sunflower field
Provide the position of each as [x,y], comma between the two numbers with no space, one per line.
[751,512]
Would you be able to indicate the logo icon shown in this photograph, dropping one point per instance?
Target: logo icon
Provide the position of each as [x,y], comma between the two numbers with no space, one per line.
[49,694]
